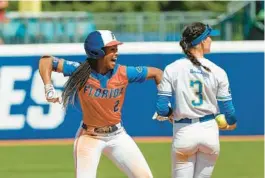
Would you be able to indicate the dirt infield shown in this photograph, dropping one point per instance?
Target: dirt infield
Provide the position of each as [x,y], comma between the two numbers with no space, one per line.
[137,139]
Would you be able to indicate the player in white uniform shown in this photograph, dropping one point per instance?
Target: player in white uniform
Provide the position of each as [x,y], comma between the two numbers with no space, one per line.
[196,84]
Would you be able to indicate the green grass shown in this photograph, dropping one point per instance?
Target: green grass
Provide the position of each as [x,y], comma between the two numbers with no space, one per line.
[237,160]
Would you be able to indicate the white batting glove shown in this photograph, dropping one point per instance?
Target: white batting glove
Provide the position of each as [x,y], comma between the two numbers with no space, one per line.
[51,94]
[159,118]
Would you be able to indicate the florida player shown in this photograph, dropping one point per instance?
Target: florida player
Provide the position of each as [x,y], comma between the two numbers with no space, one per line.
[100,84]
[196,85]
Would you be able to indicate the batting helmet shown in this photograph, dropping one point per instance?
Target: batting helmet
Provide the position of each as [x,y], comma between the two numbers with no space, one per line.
[97,40]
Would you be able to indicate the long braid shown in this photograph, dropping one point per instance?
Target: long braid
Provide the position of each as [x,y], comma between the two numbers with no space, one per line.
[77,81]
[194,61]
[190,34]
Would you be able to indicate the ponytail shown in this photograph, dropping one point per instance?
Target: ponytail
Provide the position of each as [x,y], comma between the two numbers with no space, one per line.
[77,81]
[185,47]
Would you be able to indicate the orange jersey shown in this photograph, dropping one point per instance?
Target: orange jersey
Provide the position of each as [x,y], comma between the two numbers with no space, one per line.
[102,96]
[102,106]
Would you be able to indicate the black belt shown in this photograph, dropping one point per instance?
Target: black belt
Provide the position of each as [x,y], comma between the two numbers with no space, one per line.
[103,130]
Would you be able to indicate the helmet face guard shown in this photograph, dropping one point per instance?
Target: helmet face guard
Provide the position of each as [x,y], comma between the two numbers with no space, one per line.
[97,40]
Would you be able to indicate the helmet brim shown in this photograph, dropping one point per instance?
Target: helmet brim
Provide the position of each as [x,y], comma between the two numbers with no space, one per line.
[113,43]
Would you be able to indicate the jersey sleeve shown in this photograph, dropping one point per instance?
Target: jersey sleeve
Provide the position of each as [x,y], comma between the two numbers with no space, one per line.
[69,67]
[165,87]
[136,74]
[223,92]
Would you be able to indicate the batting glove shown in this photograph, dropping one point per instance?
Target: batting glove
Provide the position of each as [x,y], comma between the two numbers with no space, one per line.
[162,118]
[51,94]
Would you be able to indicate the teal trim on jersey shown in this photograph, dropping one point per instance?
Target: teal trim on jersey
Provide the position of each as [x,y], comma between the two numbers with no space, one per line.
[103,79]
[69,67]
[198,93]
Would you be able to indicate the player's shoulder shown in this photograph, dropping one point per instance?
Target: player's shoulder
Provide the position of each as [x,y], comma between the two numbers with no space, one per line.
[177,64]
[71,63]
[215,68]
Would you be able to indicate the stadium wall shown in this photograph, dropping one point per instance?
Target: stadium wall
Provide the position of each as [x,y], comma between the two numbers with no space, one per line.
[26,115]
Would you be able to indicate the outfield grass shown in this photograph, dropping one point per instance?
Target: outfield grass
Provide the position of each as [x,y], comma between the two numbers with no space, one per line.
[237,160]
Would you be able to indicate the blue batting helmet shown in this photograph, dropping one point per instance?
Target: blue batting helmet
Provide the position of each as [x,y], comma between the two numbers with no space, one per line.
[97,40]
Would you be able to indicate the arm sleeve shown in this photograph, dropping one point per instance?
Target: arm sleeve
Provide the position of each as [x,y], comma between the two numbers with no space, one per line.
[228,109]
[136,74]
[165,87]
[69,67]
[224,92]
[162,107]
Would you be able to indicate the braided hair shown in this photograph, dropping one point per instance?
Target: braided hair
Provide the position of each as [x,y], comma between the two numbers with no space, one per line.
[190,33]
[77,81]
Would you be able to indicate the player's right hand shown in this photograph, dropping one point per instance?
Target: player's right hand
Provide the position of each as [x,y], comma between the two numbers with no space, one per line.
[51,94]
[222,123]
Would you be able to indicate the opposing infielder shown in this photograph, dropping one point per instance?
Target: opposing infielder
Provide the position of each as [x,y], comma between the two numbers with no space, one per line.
[196,84]
[100,85]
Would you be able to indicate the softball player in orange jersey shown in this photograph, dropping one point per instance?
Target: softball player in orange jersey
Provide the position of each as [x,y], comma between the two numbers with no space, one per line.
[100,85]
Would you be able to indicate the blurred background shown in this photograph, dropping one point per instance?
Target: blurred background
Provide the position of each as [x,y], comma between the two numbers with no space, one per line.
[24,22]
[151,31]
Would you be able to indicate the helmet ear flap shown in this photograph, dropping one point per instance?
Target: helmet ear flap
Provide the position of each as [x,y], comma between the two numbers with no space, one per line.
[95,53]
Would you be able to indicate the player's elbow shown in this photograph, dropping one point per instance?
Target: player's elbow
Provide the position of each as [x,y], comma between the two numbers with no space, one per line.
[45,59]
[45,62]
[155,73]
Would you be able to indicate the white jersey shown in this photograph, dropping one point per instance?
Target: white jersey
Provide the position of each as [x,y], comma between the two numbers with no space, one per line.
[195,90]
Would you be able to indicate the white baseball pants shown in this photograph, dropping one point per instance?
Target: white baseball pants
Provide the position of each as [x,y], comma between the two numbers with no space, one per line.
[119,147]
[195,149]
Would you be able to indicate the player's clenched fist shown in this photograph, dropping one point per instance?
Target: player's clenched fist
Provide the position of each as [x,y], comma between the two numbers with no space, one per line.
[50,93]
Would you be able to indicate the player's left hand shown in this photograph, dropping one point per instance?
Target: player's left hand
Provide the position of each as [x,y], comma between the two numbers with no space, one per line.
[51,94]
[163,118]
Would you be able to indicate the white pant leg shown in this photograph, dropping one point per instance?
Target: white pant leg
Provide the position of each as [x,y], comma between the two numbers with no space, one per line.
[204,165]
[184,148]
[87,152]
[124,152]
[183,167]
[208,150]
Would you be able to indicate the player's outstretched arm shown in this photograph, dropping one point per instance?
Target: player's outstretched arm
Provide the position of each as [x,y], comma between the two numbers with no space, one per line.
[47,64]
[154,73]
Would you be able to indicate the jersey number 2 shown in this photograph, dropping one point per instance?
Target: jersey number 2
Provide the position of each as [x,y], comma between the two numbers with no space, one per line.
[197,84]
[116,105]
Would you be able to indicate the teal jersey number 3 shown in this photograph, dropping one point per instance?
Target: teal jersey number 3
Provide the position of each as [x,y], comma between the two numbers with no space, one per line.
[198,86]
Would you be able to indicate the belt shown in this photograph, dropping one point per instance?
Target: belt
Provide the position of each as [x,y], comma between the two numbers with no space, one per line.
[103,130]
[201,119]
